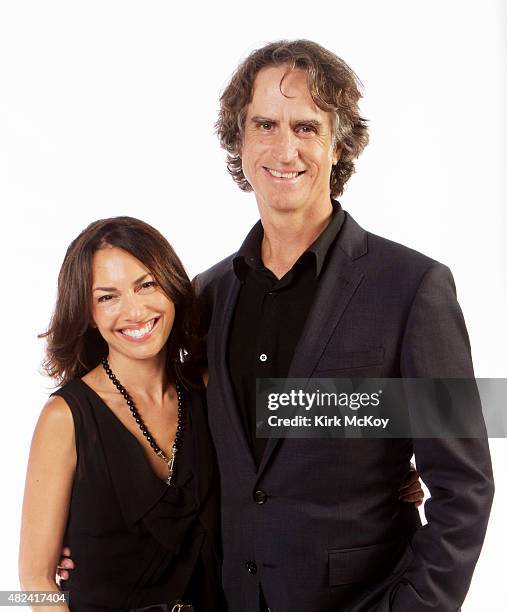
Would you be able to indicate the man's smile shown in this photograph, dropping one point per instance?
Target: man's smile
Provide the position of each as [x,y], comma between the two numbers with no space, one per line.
[284,175]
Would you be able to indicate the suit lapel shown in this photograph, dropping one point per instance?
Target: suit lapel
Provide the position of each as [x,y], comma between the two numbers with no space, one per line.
[340,280]
[227,296]
[338,284]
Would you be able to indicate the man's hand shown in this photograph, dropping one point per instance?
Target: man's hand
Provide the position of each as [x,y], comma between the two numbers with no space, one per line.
[66,564]
[411,490]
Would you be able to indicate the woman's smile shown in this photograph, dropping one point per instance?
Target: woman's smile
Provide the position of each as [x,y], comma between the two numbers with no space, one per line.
[140,331]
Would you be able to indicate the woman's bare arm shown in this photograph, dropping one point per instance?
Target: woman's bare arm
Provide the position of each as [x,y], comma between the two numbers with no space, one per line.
[50,474]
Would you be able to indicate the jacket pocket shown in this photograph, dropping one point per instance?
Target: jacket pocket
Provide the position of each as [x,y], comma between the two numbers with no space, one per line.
[349,360]
[366,563]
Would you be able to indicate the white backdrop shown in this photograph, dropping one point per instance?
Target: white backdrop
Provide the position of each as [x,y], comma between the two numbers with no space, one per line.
[107,108]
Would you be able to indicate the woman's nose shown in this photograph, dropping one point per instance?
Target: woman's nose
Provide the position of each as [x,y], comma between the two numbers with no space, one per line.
[133,308]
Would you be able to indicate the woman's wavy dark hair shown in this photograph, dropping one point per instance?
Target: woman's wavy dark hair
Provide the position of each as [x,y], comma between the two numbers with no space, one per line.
[74,347]
[334,88]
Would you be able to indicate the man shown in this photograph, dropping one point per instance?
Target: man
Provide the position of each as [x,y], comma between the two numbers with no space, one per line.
[316,525]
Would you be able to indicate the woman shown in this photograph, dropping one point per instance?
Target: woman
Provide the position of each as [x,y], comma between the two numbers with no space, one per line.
[121,466]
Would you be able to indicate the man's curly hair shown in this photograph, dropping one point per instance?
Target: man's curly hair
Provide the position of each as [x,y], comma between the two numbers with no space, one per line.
[333,86]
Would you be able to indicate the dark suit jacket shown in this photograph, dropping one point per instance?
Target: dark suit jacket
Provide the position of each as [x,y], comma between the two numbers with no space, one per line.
[332,534]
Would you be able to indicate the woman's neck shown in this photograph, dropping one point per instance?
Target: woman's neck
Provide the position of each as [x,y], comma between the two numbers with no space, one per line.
[142,377]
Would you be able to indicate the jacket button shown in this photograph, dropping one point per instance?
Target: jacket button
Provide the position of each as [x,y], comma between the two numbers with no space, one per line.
[260,497]
[251,567]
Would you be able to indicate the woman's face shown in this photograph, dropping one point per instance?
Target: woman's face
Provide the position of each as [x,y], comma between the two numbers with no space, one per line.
[130,310]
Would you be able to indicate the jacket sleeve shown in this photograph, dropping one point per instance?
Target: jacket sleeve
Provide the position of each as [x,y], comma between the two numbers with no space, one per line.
[456,471]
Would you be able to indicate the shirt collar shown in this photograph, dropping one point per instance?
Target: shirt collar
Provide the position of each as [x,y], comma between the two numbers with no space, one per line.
[249,254]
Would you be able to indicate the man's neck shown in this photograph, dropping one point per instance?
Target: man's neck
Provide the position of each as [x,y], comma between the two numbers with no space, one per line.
[288,235]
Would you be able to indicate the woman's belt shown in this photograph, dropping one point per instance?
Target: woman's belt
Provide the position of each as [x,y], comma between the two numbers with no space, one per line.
[177,606]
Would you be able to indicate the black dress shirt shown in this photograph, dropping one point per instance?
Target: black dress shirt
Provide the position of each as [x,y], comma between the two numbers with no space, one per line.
[269,316]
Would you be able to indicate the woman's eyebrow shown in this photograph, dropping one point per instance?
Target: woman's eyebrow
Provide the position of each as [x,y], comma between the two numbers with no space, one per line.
[136,282]
[105,289]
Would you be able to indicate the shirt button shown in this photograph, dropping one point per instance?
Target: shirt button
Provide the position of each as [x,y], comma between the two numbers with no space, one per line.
[251,567]
[263,357]
[260,497]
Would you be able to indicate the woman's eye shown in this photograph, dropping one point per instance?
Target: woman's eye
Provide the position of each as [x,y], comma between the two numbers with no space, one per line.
[105,298]
[148,285]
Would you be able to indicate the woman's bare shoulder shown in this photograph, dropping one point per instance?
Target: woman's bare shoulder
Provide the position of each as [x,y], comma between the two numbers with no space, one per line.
[56,417]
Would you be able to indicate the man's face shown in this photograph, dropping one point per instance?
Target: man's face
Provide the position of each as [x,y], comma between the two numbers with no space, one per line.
[287,149]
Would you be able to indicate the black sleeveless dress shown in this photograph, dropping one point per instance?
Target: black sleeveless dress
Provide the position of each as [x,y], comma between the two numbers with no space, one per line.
[135,541]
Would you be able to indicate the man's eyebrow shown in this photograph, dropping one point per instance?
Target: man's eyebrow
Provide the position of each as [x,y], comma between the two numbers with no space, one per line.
[260,119]
[136,282]
[311,122]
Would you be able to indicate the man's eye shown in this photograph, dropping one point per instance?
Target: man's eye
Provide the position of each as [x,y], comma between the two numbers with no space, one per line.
[266,126]
[307,129]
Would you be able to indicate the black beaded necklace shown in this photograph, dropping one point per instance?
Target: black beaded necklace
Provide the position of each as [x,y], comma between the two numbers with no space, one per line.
[146,432]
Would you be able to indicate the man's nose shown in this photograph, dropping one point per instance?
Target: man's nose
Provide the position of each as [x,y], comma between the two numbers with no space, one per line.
[286,146]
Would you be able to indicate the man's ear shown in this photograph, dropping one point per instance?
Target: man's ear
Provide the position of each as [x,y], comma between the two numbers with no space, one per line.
[337,154]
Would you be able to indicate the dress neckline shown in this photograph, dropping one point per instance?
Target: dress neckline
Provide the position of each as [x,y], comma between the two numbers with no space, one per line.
[131,436]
